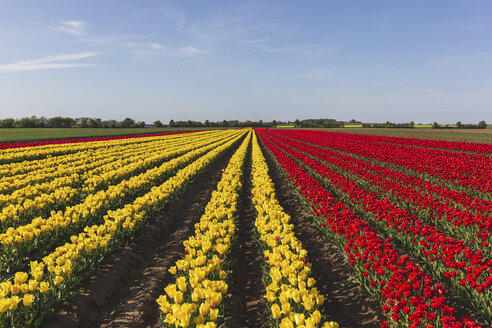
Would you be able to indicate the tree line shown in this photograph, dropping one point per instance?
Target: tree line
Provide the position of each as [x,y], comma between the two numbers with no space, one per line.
[223,123]
[459,125]
[67,122]
[88,122]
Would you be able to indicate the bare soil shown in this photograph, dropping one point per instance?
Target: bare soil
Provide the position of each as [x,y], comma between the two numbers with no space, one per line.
[247,304]
[345,302]
[123,294]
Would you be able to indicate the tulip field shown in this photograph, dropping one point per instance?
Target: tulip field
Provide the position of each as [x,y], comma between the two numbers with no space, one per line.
[411,220]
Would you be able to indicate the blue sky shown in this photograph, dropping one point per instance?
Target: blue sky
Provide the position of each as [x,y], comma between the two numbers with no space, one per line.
[370,60]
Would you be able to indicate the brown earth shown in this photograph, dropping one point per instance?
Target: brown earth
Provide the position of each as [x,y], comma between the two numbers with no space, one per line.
[247,305]
[124,292]
[345,302]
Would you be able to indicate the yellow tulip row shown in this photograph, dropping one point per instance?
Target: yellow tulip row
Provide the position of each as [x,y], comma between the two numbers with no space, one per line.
[50,281]
[194,299]
[115,165]
[78,164]
[41,233]
[20,154]
[62,190]
[291,294]
[117,170]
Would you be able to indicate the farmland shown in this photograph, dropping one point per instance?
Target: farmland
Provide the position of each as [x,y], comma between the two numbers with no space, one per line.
[459,135]
[246,228]
[34,134]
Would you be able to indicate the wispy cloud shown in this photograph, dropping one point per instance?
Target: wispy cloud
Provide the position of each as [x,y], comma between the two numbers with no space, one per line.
[72,27]
[156,46]
[156,49]
[51,62]
[117,40]
[192,50]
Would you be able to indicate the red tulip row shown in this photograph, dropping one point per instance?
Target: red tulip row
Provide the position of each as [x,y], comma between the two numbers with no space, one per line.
[408,296]
[465,271]
[468,170]
[456,222]
[439,144]
[458,199]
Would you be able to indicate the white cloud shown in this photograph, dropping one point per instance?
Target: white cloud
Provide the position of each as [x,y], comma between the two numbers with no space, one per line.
[51,62]
[192,50]
[156,46]
[72,27]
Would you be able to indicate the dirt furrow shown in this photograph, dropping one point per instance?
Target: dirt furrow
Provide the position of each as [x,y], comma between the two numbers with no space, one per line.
[246,288]
[345,302]
[123,294]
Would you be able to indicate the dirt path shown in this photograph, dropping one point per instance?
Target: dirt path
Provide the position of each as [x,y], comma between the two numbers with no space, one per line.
[245,284]
[345,303]
[123,294]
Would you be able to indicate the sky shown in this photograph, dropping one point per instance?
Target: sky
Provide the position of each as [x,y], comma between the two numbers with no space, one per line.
[373,61]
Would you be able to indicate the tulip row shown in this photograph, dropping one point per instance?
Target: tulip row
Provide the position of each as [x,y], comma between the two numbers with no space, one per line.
[408,296]
[466,272]
[467,170]
[20,144]
[438,144]
[68,146]
[30,172]
[453,221]
[291,293]
[194,300]
[64,190]
[423,185]
[26,298]
[41,234]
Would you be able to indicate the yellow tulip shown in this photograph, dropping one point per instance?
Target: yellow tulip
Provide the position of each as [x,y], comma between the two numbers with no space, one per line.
[58,280]
[28,299]
[276,312]
[213,313]
[4,304]
[14,301]
[20,277]
[44,287]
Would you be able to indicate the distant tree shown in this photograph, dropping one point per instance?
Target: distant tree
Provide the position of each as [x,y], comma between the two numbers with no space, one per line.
[459,125]
[171,123]
[224,123]
[297,123]
[274,123]
[207,123]
[95,123]
[110,124]
[27,122]
[435,125]
[158,124]
[42,122]
[82,122]
[7,123]
[482,125]
[353,121]
[139,124]
[60,122]
[412,124]
[127,123]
